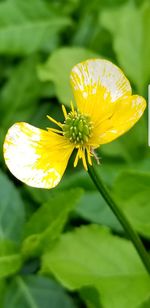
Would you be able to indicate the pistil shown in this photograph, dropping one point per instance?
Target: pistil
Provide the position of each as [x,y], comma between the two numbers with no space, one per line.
[77,128]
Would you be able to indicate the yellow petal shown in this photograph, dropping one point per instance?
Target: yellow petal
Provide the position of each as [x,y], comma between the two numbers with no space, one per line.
[36,157]
[97,84]
[127,112]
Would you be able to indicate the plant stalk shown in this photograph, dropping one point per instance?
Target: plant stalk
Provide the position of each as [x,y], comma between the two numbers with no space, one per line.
[131,233]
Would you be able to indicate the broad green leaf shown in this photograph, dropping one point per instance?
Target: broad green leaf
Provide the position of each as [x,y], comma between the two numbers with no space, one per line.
[46,224]
[91,297]
[2,291]
[36,292]
[146,304]
[19,96]
[12,215]
[74,179]
[88,32]
[132,190]
[90,206]
[130,27]
[144,164]
[93,256]
[26,26]
[38,195]
[65,7]
[94,208]
[128,292]
[129,146]
[10,259]
[20,93]
[57,69]
[116,149]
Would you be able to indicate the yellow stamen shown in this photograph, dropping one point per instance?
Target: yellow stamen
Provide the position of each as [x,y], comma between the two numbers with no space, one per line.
[84,159]
[55,130]
[89,156]
[64,111]
[76,159]
[54,121]
[72,107]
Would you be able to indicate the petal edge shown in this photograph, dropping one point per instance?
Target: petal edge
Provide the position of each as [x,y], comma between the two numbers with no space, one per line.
[34,156]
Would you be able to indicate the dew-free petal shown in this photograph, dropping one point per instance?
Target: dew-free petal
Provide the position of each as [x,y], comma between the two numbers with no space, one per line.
[128,111]
[36,157]
[97,84]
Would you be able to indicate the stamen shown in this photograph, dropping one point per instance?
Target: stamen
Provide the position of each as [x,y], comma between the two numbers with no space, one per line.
[72,107]
[78,128]
[64,111]
[76,159]
[54,121]
[84,160]
[55,130]
[95,156]
[89,156]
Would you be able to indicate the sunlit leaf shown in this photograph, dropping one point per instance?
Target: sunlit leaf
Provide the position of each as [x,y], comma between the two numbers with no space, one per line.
[91,297]
[10,259]
[19,95]
[46,224]
[26,26]
[57,69]
[130,27]
[2,291]
[132,190]
[93,256]
[94,208]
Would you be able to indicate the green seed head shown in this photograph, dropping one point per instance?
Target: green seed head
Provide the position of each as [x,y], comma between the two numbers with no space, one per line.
[77,128]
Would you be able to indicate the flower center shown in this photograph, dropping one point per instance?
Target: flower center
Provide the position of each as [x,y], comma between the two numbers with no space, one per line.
[77,128]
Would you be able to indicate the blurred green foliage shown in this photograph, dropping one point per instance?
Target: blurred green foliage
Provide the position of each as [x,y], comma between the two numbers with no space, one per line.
[64,247]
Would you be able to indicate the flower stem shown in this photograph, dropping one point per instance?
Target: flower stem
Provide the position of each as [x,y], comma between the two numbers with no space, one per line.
[133,236]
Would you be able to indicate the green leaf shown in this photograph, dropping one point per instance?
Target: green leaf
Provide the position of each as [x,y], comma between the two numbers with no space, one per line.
[146,304]
[2,291]
[26,26]
[36,292]
[66,7]
[76,180]
[19,99]
[116,149]
[46,224]
[12,215]
[94,208]
[130,27]
[91,297]
[57,69]
[129,146]
[132,190]
[91,256]
[89,33]
[10,259]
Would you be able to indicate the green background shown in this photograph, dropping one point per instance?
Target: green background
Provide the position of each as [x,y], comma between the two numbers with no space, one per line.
[64,247]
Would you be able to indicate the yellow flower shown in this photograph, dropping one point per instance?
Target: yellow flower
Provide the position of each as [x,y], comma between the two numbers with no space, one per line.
[105,110]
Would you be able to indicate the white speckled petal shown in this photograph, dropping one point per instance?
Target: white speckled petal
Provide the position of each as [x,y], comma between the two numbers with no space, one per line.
[97,84]
[127,112]
[34,156]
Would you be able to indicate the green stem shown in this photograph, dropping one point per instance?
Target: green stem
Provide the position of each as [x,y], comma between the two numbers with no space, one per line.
[133,236]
